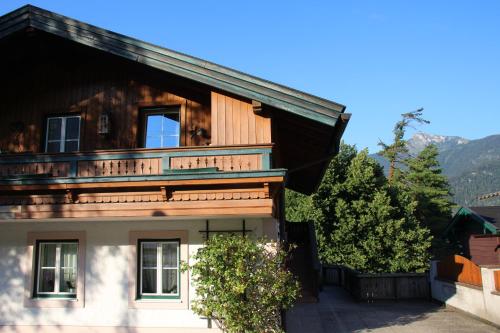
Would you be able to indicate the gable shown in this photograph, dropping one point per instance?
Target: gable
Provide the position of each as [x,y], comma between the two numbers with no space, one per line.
[306,129]
[232,81]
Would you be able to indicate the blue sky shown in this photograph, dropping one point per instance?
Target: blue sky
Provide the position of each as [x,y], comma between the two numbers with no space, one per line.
[379,58]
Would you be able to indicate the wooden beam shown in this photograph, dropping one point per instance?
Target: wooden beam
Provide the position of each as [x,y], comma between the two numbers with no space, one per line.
[142,184]
[257,107]
[239,208]
[163,190]
[70,194]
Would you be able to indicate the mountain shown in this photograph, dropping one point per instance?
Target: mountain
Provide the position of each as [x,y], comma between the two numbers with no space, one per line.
[420,140]
[472,166]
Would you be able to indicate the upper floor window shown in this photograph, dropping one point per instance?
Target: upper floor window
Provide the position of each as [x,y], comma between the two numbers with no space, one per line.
[162,128]
[63,134]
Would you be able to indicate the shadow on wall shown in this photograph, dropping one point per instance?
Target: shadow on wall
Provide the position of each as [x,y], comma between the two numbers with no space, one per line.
[103,277]
[106,287]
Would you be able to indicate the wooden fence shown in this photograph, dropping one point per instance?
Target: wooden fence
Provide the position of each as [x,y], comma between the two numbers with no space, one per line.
[372,287]
[459,269]
[496,274]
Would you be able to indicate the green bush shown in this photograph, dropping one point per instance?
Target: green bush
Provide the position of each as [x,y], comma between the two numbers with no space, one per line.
[242,284]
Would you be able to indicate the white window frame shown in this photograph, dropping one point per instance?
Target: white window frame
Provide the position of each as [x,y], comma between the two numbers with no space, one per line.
[57,269]
[156,112]
[159,268]
[62,139]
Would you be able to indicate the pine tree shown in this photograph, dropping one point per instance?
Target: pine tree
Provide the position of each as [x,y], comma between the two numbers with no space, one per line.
[430,189]
[396,151]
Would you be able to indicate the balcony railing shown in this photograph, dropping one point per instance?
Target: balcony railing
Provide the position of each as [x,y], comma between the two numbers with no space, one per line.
[137,162]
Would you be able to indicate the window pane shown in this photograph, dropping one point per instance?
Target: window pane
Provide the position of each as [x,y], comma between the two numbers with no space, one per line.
[169,254]
[153,131]
[54,128]
[68,255]
[53,147]
[154,124]
[162,130]
[72,128]
[71,146]
[48,255]
[153,142]
[169,281]
[170,130]
[67,280]
[149,281]
[47,280]
[149,254]
[170,141]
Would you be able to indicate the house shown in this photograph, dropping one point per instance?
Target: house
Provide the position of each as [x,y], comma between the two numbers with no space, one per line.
[119,158]
[476,231]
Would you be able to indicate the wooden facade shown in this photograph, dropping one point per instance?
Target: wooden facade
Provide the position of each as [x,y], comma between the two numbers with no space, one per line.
[238,135]
[235,122]
[485,249]
[72,79]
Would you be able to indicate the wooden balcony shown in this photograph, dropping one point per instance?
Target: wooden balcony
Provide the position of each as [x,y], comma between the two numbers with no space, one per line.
[187,181]
[137,163]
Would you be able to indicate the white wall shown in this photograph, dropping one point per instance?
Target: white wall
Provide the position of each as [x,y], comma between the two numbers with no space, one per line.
[106,278]
[481,302]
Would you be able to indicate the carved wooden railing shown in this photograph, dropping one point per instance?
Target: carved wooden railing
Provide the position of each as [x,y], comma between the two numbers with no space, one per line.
[459,269]
[58,169]
[137,162]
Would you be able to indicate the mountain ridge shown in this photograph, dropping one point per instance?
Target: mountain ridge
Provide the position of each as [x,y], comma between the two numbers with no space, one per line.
[472,166]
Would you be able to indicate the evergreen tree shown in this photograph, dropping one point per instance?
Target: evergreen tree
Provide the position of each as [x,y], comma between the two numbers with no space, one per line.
[430,189]
[299,207]
[397,150]
[363,222]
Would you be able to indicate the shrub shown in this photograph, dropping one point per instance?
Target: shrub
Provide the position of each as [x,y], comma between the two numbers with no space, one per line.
[242,284]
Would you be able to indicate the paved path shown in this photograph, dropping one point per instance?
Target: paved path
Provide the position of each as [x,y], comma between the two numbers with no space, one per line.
[338,313]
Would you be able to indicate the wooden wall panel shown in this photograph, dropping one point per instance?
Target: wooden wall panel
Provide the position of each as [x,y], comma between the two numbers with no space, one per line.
[58,77]
[234,122]
[484,249]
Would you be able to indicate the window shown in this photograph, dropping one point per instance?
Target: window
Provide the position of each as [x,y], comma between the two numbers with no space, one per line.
[63,134]
[159,269]
[162,127]
[56,269]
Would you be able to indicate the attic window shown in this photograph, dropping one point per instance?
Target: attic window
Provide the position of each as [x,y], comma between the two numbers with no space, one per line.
[161,128]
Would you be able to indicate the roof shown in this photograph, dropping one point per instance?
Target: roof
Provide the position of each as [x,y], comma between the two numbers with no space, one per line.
[490,214]
[220,77]
[489,217]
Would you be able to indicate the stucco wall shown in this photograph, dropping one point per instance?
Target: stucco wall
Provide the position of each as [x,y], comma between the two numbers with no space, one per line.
[106,273]
[481,302]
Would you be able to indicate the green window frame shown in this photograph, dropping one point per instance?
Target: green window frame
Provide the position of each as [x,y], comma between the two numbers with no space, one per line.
[158,269]
[56,264]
